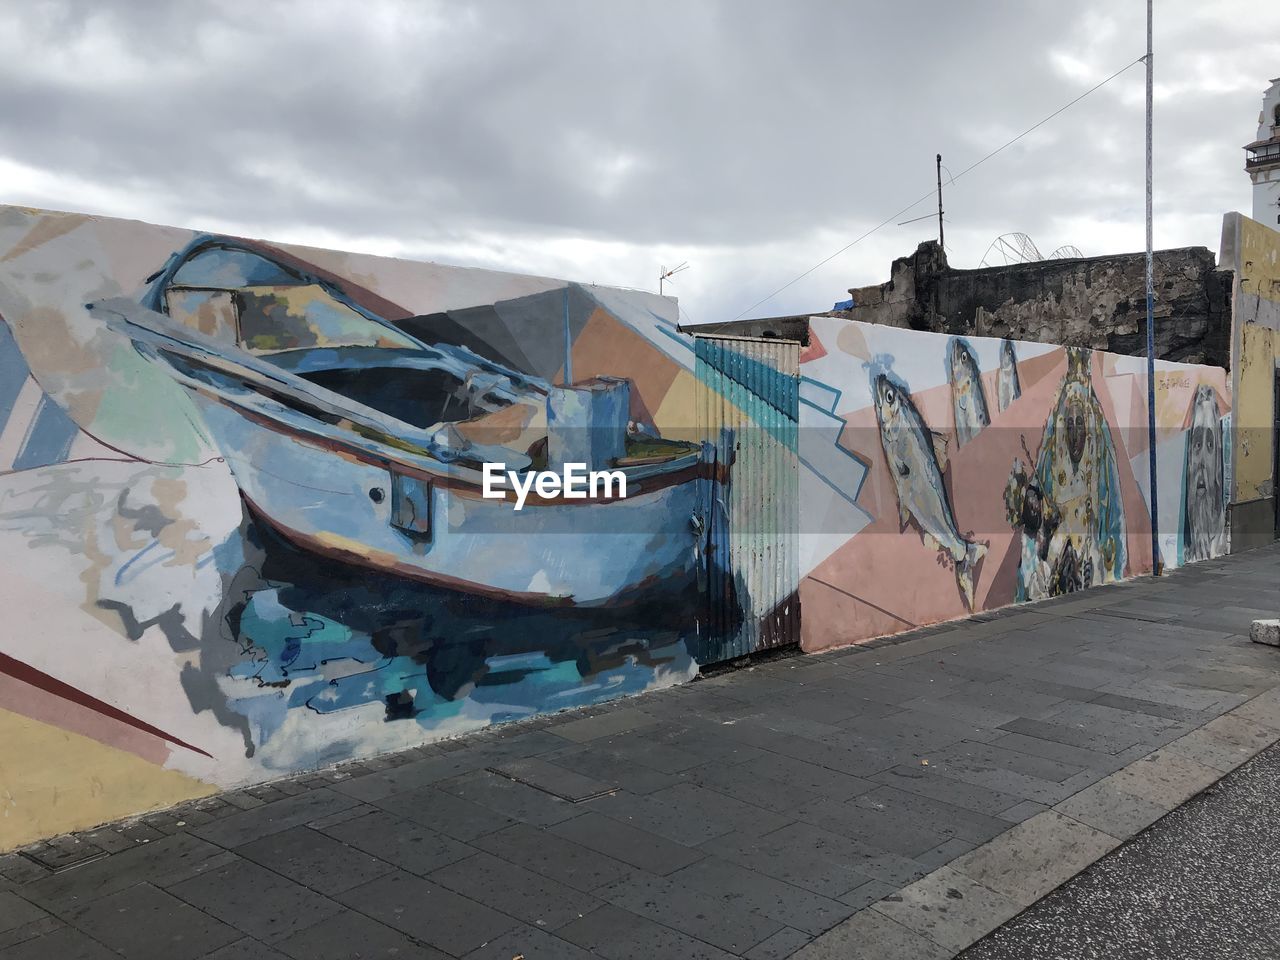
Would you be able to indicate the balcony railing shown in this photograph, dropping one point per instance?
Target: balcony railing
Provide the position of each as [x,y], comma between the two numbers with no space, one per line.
[1267,153]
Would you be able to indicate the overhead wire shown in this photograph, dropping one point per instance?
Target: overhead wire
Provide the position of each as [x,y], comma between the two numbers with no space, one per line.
[977,163]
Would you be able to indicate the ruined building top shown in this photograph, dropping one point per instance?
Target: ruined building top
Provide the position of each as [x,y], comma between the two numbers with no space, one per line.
[1096,302]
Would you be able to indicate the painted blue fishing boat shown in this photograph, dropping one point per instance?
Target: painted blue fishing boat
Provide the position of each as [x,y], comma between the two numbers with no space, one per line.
[355,439]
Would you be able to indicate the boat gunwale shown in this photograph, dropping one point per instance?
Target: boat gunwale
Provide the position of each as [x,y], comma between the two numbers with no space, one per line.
[649,478]
[682,470]
[279,380]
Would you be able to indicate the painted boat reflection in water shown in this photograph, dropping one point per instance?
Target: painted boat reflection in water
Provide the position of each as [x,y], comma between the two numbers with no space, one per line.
[330,637]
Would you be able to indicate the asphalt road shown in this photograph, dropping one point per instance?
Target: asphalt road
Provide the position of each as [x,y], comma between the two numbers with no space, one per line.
[1204,882]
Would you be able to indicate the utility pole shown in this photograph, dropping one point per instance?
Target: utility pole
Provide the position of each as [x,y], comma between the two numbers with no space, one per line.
[1156,564]
[940,243]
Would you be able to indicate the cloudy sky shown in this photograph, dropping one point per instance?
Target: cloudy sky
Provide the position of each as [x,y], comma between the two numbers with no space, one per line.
[598,140]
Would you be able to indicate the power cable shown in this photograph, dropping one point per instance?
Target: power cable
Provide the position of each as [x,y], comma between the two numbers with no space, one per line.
[888,220]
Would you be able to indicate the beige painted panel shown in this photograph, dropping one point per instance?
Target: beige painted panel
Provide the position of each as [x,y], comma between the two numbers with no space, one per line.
[1259,352]
[1257,314]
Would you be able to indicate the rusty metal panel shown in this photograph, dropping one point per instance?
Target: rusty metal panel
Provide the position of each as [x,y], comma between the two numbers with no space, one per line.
[748,413]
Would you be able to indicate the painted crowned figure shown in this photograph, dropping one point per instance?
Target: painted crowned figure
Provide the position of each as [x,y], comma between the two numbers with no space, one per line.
[1069,510]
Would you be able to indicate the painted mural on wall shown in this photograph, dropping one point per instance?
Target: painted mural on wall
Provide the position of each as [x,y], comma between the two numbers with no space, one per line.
[1069,510]
[244,533]
[993,472]
[243,521]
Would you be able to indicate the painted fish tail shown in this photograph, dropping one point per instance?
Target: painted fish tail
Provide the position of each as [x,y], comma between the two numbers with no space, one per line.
[967,569]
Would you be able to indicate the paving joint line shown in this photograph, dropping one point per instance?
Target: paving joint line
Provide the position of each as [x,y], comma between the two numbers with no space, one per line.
[921,925]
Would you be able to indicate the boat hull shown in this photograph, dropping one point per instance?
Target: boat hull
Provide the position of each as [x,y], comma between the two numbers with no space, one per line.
[351,507]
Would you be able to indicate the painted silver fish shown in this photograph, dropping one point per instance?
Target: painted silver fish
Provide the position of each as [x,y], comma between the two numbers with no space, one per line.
[914,456]
[1008,387]
[967,398]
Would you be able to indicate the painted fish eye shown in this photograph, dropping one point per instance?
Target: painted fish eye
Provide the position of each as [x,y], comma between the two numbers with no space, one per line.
[889,395]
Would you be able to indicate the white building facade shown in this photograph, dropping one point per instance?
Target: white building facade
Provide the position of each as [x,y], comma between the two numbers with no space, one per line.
[1262,160]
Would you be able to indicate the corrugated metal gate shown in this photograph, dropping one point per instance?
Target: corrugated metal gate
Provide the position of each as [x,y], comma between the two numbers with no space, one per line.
[748,415]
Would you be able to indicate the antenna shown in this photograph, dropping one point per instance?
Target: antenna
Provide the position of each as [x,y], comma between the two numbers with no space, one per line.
[940,243]
[665,275]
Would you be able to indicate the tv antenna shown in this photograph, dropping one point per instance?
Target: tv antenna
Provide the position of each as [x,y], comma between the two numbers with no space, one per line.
[665,275]
[929,216]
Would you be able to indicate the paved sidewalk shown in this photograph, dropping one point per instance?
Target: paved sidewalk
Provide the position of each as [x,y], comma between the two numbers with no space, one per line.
[899,799]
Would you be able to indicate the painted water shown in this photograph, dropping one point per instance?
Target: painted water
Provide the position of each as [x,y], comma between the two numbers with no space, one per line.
[306,661]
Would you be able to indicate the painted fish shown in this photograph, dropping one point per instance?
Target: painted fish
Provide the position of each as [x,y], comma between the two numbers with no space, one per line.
[967,398]
[914,456]
[1008,387]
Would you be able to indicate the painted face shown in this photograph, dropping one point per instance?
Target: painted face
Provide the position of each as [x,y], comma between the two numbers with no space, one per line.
[1205,450]
[1032,510]
[1076,431]
[1204,476]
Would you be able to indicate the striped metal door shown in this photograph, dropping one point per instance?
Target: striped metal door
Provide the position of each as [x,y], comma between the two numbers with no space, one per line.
[748,415]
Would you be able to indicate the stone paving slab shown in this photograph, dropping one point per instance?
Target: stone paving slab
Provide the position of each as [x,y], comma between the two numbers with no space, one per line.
[1109,809]
[949,908]
[1034,857]
[896,799]
[871,935]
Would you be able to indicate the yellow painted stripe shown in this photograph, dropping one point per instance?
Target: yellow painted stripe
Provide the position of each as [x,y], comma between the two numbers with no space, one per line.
[53,781]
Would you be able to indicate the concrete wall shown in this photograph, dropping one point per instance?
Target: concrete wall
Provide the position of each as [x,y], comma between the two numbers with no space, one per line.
[241,522]
[242,532]
[958,474]
[1095,302]
[1252,250]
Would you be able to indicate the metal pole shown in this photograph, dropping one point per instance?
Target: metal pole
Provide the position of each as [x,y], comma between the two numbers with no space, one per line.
[1156,563]
[940,243]
[568,343]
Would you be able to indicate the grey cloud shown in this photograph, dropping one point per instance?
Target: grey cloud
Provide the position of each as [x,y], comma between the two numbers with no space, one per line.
[744,127]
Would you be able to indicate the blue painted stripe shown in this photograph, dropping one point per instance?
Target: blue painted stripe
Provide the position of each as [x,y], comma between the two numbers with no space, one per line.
[13,373]
[684,340]
[779,390]
[811,384]
[48,439]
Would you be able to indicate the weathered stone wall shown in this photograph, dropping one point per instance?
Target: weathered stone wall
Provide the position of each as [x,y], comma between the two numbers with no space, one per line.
[1094,302]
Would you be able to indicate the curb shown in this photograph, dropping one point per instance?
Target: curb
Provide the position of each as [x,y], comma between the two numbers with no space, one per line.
[957,905]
